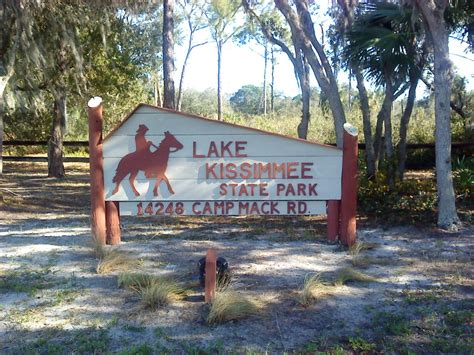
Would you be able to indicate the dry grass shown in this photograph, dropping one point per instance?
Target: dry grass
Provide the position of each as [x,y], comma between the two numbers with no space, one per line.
[366,261]
[154,291]
[159,292]
[133,280]
[114,260]
[349,274]
[313,288]
[359,247]
[229,305]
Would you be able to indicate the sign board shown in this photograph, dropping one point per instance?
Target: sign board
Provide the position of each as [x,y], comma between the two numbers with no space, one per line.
[163,162]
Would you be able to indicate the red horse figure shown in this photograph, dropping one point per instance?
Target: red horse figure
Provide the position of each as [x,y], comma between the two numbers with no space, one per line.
[153,164]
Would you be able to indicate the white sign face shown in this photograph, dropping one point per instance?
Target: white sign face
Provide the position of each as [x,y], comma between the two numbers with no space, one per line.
[164,162]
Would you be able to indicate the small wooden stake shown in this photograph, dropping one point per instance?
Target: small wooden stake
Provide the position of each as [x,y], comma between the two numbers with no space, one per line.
[333,220]
[347,232]
[211,270]
[98,227]
[112,218]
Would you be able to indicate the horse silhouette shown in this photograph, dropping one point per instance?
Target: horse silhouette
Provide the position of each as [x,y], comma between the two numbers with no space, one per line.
[153,164]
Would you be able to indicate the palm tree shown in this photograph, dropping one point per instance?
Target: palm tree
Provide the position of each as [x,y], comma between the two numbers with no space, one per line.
[385,44]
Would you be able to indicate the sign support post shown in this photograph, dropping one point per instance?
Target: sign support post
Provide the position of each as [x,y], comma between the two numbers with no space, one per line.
[98,225]
[333,207]
[210,281]
[347,232]
[112,217]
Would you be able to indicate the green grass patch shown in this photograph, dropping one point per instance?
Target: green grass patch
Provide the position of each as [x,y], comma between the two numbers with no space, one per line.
[26,281]
[393,323]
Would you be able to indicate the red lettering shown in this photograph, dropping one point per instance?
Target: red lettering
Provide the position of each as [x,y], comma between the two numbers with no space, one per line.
[279,169]
[207,208]
[312,190]
[280,188]
[254,208]
[244,206]
[243,190]
[195,205]
[291,207]
[302,207]
[225,148]
[290,190]
[301,190]
[219,207]
[263,189]
[231,170]
[229,205]
[210,170]
[292,168]
[245,170]
[240,147]
[195,155]
[212,150]
[306,167]
[274,209]
[263,207]
[223,189]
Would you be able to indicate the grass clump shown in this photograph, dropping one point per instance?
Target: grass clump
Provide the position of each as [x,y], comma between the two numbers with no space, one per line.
[134,280]
[313,288]
[348,274]
[229,305]
[154,291]
[114,260]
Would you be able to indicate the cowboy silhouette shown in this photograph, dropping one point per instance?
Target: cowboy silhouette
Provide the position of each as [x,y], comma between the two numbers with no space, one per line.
[141,144]
[153,164]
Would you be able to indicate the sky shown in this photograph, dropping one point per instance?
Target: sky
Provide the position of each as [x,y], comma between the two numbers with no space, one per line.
[242,65]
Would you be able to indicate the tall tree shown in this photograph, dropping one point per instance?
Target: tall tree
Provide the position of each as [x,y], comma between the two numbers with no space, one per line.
[304,38]
[344,22]
[168,54]
[194,18]
[383,43]
[433,13]
[276,34]
[221,17]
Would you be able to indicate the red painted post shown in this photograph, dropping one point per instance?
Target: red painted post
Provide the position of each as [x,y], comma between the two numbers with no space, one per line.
[112,218]
[347,231]
[98,226]
[211,270]
[333,220]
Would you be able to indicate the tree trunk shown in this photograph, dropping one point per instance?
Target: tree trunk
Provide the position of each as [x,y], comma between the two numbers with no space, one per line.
[404,121]
[219,81]
[272,86]
[181,78]
[388,134]
[384,122]
[264,91]
[433,13]
[157,91]
[365,109]
[302,29]
[305,98]
[3,84]
[55,143]
[168,54]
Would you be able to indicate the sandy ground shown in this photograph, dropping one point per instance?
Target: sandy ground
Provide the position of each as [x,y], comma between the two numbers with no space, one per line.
[52,299]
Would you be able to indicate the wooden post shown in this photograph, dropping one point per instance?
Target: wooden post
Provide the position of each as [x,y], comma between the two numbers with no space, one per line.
[347,231]
[112,218]
[333,220]
[211,270]
[98,226]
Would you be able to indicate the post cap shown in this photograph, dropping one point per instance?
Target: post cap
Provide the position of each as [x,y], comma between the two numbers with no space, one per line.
[94,102]
[352,130]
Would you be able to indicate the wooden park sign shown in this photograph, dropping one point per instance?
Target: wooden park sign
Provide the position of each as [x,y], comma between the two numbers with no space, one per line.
[163,162]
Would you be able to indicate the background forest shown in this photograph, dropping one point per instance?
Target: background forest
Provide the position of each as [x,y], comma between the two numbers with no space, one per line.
[374,65]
